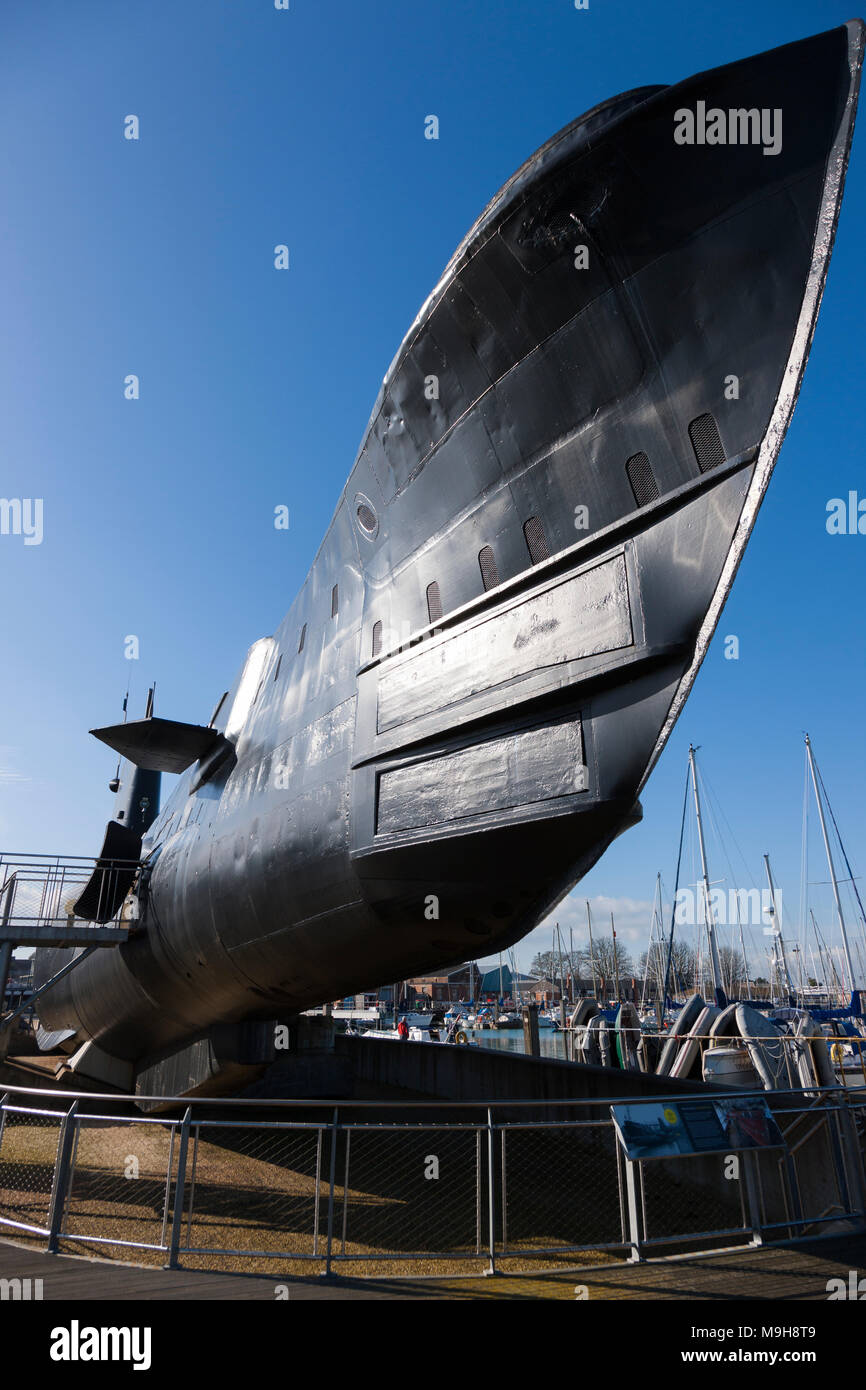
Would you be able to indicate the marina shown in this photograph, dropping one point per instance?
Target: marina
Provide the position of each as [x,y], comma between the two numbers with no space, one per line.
[789,1034]
[491,927]
[551,1044]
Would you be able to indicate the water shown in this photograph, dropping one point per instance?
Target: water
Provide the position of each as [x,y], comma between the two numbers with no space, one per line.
[552,1044]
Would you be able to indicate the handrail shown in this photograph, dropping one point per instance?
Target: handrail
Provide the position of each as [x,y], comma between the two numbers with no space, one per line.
[41,893]
[300,1103]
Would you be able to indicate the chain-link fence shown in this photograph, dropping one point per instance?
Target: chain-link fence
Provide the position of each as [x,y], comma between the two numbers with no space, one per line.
[411,1192]
[560,1187]
[255,1190]
[425,1186]
[120,1176]
[29,1139]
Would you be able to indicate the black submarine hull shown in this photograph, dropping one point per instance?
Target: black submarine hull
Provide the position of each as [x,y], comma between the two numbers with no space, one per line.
[523,573]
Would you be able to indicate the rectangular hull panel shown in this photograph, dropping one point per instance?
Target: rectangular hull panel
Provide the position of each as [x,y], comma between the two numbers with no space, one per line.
[517,770]
[577,617]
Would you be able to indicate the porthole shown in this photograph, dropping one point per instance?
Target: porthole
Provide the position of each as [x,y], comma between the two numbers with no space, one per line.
[365,514]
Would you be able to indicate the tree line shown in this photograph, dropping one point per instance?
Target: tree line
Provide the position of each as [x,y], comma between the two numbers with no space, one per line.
[687,971]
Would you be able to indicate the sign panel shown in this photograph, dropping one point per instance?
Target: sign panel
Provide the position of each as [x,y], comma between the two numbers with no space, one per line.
[666,1129]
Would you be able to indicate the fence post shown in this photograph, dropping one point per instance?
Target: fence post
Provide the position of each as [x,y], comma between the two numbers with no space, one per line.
[6,949]
[503,1133]
[491,1195]
[752,1184]
[192,1182]
[61,1178]
[478,1191]
[318,1187]
[636,1256]
[328,1274]
[346,1191]
[849,1155]
[166,1200]
[3,1102]
[179,1187]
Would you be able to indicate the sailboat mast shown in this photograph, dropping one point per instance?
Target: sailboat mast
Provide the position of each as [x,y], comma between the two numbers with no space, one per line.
[650,961]
[661,981]
[591,956]
[657,952]
[828,962]
[561,970]
[847,949]
[777,929]
[718,987]
[711,919]
[742,952]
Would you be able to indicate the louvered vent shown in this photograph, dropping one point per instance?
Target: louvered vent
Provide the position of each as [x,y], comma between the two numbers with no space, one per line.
[377,639]
[303,638]
[536,540]
[489,572]
[434,602]
[278,665]
[335,601]
[709,451]
[642,479]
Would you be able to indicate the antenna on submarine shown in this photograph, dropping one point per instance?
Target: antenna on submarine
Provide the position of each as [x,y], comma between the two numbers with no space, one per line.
[114,784]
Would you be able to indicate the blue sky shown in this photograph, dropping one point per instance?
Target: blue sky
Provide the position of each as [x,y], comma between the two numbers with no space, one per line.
[155,257]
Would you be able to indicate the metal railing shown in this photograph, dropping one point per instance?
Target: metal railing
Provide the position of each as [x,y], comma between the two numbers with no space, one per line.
[432,1186]
[38,892]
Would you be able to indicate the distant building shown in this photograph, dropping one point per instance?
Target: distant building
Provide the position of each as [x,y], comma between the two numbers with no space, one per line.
[540,991]
[496,984]
[19,985]
[447,987]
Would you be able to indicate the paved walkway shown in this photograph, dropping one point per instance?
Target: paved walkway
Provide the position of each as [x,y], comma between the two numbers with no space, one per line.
[782,1273]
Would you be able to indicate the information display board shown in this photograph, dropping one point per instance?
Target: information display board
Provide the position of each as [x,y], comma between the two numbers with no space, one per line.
[665,1129]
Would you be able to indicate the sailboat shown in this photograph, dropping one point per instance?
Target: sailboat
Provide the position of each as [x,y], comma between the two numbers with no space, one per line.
[854,1008]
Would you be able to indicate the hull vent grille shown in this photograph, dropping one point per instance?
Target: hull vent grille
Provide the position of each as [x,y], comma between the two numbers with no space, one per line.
[642,479]
[536,540]
[434,602]
[489,572]
[706,442]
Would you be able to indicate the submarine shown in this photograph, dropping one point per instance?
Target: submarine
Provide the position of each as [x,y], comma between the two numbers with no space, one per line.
[516,591]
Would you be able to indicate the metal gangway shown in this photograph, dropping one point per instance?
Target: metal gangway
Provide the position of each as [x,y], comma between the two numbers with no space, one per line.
[39,895]
[39,892]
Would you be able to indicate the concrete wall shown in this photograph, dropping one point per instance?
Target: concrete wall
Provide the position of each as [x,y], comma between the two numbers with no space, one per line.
[478,1073]
[470,1073]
